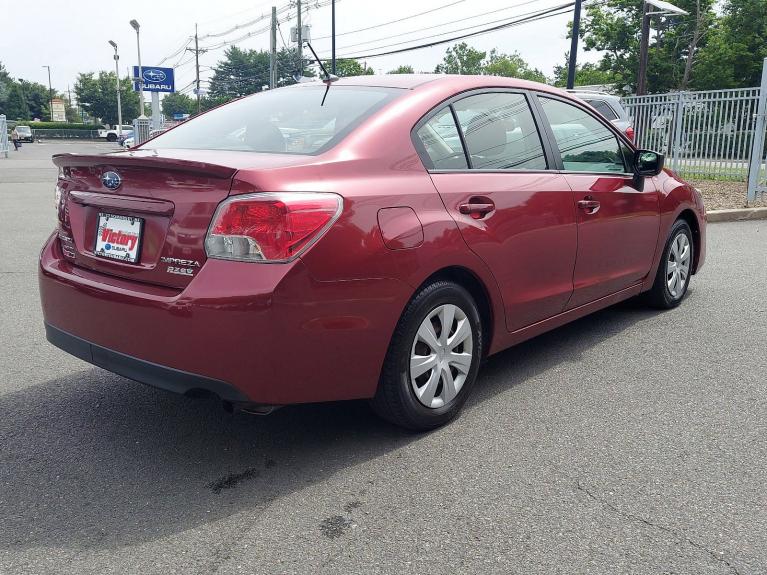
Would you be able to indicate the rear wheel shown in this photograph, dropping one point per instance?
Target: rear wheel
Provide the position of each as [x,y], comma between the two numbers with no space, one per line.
[675,268]
[433,359]
[111,137]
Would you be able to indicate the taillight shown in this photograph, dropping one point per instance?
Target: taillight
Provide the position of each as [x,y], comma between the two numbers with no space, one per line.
[271,227]
[630,133]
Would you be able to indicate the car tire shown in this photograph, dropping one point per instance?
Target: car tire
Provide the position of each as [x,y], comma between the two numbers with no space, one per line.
[674,269]
[111,138]
[403,400]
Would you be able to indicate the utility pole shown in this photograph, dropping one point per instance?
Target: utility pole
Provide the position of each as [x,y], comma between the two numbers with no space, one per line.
[273,51]
[197,53]
[50,92]
[333,36]
[119,104]
[574,45]
[299,33]
[643,50]
[197,67]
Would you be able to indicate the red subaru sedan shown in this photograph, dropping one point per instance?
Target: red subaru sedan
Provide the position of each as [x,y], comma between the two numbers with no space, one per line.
[375,244]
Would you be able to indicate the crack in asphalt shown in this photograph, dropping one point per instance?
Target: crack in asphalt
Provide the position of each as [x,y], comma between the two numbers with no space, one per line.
[680,536]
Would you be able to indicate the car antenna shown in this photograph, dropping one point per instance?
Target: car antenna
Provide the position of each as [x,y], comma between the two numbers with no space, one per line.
[328,79]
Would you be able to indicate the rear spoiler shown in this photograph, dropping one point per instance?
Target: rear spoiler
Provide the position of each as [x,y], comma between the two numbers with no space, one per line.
[150,160]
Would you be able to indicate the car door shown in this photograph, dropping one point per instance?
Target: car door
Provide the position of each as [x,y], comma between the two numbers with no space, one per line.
[617,212]
[491,168]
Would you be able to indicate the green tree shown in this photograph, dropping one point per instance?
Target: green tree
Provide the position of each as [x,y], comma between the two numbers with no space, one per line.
[5,87]
[461,59]
[587,74]
[244,72]
[178,103]
[736,48]
[614,27]
[349,67]
[37,98]
[512,66]
[97,94]
[15,107]
[404,69]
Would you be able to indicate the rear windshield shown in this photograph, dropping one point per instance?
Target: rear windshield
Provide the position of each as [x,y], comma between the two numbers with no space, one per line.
[289,120]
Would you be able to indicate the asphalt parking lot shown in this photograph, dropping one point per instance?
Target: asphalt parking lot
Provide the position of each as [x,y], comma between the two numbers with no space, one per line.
[629,442]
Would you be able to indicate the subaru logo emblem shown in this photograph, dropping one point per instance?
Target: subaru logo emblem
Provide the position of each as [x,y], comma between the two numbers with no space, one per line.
[154,75]
[111,180]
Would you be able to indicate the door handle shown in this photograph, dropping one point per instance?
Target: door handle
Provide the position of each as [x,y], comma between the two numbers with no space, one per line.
[477,208]
[589,206]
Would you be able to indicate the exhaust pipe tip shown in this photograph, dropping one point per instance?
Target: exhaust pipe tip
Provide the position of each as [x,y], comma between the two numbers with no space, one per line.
[250,408]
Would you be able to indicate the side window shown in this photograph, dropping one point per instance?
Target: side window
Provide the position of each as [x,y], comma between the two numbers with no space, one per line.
[585,144]
[603,108]
[442,142]
[500,132]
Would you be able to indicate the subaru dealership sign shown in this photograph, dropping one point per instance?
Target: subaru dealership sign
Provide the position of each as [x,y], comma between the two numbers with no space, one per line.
[155,79]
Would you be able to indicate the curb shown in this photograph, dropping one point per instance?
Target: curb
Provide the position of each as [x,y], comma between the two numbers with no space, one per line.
[736,215]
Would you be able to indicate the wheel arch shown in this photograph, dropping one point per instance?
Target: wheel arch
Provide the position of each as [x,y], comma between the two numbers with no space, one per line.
[689,216]
[472,283]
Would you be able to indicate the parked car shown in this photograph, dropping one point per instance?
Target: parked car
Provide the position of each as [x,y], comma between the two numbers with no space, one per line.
[126,135]
[610,107]
[111,134]
[445,219]
[25,133]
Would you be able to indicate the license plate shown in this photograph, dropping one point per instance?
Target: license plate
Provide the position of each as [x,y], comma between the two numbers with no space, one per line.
[119,237]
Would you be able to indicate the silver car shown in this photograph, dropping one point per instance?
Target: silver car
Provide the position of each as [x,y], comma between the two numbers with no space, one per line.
[610,107]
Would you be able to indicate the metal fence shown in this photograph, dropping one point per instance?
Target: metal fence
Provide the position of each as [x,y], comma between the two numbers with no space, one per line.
[757,175]
[707,135]
[4,144]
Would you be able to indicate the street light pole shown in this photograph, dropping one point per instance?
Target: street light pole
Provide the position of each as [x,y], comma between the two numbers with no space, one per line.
[663,8]
[135,25]
[50,93]
[119,104]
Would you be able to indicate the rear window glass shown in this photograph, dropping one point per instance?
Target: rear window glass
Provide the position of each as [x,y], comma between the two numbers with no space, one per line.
[603,108]
[289,120]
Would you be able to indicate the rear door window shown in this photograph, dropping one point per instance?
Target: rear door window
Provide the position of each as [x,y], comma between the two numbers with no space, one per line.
[500,132]
[603,108]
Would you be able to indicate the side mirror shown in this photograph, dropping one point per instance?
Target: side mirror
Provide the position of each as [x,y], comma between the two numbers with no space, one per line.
[647,163]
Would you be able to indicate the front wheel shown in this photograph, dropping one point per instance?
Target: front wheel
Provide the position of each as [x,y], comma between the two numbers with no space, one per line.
[674,269]
[433,359]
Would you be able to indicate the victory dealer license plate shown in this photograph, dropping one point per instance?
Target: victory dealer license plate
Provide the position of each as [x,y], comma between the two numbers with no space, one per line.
[119,237]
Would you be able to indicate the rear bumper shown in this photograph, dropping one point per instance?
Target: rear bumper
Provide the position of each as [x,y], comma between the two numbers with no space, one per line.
[267,334]
[139,370]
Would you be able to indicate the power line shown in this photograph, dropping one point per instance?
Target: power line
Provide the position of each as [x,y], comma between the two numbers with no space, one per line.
[394,21]
[176,53]
[543,14]
[452,22]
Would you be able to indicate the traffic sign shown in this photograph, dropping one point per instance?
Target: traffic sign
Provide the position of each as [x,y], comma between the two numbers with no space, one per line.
[155,79]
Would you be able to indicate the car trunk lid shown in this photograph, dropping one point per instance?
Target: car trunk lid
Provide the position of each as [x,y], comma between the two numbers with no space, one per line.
[170,195]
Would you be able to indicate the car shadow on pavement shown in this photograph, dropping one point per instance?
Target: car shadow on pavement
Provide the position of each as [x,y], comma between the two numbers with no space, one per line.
[92,460]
